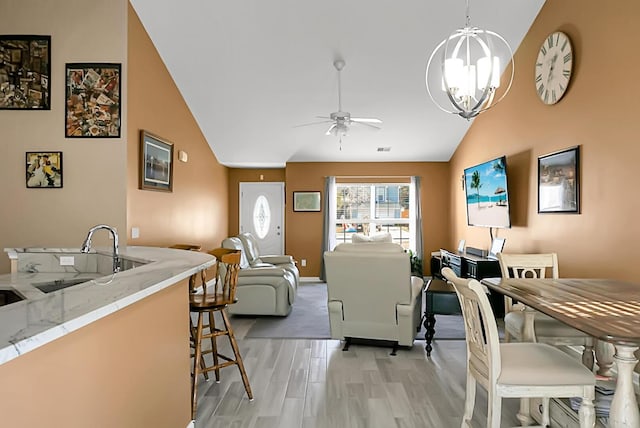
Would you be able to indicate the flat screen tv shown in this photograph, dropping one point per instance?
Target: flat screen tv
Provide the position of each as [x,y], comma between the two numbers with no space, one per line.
[487,194]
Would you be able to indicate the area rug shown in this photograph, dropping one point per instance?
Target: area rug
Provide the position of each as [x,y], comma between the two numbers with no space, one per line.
[309,319]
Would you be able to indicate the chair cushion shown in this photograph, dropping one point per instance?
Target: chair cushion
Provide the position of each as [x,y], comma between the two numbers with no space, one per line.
[358,238]
[544,325]
[539,364]
[262,265]
[251,247]
[381,237]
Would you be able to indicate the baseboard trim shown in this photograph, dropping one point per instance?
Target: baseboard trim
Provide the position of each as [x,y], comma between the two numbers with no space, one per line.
[310,279]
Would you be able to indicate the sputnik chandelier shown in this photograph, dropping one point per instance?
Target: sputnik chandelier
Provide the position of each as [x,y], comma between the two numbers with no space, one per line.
[464,71]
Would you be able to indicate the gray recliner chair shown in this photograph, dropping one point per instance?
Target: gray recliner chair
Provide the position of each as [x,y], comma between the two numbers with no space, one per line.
[267,285]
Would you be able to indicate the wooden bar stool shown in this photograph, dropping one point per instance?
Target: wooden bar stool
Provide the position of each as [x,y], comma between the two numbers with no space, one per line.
[209,302]
[188,247]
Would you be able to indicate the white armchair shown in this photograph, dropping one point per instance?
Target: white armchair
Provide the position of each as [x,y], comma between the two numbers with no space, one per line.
[372,294]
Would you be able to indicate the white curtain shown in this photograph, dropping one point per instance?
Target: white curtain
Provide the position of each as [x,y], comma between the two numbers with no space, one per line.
[415,217]
[328,234]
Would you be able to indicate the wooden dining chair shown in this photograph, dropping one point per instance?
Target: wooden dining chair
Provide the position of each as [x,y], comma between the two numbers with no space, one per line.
[517,369]
[203,301]
[546,329]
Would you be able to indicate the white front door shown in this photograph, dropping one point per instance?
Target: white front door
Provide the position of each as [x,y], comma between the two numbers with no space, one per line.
[262,214]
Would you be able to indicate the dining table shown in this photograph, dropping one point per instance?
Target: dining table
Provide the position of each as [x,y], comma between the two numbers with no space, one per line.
[606,309]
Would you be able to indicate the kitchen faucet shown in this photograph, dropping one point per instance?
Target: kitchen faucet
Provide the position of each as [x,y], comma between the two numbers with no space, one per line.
[86,245]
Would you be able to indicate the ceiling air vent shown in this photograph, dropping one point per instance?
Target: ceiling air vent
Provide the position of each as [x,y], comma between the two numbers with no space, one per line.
[384,149]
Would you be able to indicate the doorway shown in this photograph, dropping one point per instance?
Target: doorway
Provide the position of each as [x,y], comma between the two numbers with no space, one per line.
[262,214]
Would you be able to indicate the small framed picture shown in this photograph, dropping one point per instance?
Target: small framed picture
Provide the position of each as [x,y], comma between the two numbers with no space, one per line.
[92,100]
[25,67]
[559,182]
[156,163]
[44,170]
[306,201]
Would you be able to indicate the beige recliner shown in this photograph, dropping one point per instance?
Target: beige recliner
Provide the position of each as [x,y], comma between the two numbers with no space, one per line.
[372,294]
[267,285]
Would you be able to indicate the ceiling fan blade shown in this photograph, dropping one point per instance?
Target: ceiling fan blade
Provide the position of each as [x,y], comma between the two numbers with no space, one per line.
[313,123]
[366,124]
[366,120]
[331,129]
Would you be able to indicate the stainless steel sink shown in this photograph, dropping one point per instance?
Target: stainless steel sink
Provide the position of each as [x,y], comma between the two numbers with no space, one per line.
[58,284]
[10,296]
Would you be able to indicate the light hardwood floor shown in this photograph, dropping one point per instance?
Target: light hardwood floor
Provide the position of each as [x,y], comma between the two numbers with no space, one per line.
[301,383]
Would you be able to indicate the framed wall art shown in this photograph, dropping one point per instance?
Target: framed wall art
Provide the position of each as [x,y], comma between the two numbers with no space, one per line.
[44,170]
[306,201]
[559,182]
[25,71]
[92,100]
[156,163]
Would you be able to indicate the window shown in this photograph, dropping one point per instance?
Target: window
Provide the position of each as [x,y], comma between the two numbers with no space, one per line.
[373,208]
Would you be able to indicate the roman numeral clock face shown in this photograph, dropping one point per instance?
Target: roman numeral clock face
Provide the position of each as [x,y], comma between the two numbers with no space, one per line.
[553,67]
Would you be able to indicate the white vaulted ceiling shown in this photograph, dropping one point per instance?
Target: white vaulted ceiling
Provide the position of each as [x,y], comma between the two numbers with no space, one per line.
[251,70]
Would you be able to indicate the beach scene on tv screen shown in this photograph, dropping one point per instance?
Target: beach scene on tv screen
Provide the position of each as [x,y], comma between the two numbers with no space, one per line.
[487,197]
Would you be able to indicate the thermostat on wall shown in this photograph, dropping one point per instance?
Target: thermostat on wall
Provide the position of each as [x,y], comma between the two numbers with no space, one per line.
[183,156]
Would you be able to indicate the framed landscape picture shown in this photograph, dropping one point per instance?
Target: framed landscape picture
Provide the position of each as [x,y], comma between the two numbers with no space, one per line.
[92,100]
[156,163]
[306,201]
[25,71]
[559,182]
[44,170]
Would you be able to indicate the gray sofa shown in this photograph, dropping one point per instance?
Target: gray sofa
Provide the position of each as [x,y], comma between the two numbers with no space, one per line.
[267,284]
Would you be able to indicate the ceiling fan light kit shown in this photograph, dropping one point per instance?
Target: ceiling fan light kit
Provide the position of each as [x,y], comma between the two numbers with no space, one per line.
[464,71]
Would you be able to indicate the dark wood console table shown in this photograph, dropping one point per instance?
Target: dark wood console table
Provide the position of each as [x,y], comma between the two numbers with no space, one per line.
[438,292]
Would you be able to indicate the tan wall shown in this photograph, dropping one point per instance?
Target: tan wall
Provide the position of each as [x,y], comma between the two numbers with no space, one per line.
[129,369]
[94,169]
[197,209]
[237,176]
[303,232]
[597,113]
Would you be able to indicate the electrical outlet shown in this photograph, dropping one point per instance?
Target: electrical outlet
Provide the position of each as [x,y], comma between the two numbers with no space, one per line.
[135,232]
[303,262]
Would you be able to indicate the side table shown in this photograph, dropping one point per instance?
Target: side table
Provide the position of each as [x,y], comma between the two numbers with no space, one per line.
[441,299]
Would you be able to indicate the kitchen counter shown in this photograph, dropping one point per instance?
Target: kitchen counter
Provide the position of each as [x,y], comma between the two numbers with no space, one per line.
[43,317]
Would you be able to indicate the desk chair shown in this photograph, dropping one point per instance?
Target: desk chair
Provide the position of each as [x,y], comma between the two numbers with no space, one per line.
[515,370]
[546,329]
[209,302]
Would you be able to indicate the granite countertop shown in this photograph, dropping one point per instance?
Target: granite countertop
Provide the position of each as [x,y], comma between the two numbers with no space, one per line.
[43,317]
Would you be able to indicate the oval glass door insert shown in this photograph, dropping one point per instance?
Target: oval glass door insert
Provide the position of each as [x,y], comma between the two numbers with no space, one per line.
[261,217]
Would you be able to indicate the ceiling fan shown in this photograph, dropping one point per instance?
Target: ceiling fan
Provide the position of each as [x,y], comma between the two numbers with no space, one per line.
[341,120]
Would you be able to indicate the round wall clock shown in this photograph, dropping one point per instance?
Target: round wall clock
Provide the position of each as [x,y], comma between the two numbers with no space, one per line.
[553,67]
